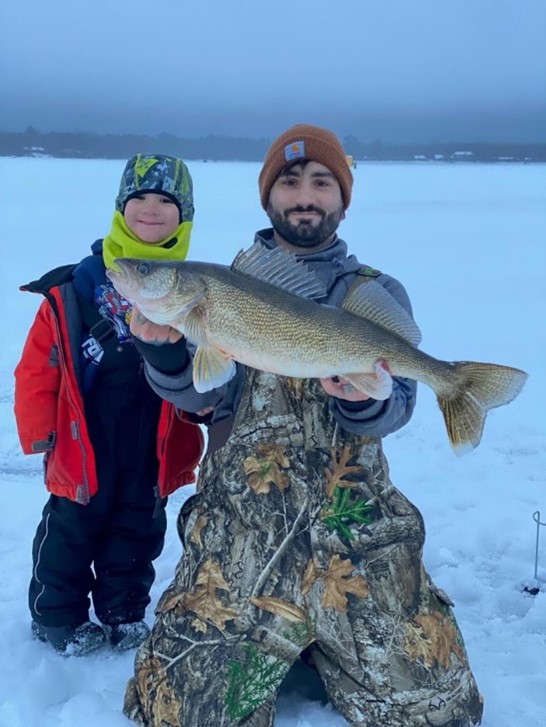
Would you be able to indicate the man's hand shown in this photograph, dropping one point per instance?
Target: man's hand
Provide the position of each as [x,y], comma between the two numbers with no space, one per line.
[150,332]
[205,411]
[343,389]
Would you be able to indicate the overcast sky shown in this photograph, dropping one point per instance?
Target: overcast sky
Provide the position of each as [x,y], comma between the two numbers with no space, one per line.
[399,70]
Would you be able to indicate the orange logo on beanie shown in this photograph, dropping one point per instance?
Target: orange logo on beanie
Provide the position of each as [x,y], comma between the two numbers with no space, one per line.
[295,150]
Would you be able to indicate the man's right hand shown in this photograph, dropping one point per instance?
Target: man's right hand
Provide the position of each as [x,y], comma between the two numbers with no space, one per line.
[150,332]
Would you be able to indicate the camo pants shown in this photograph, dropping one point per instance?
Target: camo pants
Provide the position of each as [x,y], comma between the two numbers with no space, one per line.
[297,540]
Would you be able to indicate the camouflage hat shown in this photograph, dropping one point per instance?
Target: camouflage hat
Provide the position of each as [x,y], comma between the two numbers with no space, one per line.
[157,173]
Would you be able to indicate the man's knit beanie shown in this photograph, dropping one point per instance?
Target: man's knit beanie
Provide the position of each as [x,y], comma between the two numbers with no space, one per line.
[312,143]
[157,173]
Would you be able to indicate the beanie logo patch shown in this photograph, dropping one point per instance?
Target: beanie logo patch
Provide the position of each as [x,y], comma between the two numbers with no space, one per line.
[295,150]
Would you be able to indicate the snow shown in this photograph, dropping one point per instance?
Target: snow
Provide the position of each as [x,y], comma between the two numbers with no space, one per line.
[468,242]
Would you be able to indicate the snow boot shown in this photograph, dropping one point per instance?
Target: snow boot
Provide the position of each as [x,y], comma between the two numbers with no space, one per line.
[75,640]
[126,636]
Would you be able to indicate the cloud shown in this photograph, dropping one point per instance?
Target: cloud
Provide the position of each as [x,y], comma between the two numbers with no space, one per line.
[246,67]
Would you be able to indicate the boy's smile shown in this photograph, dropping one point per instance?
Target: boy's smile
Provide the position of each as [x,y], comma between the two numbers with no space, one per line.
[151,216]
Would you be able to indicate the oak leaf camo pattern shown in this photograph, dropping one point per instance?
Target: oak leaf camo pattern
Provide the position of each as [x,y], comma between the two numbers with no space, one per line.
[297,540]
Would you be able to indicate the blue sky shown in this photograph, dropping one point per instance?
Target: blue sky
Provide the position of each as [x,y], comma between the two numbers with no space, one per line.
[399,70]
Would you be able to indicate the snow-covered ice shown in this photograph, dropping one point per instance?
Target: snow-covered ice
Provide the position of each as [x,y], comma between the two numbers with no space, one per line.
[469,243]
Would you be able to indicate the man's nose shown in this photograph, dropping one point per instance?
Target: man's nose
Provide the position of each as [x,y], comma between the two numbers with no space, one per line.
[304,194]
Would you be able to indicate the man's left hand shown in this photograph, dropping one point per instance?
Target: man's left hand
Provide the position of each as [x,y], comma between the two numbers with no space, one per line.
[342,389]
[149,332]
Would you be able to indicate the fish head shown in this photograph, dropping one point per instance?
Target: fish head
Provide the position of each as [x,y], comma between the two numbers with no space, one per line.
[159,289]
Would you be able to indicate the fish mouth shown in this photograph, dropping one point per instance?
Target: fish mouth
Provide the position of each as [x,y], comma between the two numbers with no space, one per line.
[127,274]
[118,273]
[122,282]
[126,269]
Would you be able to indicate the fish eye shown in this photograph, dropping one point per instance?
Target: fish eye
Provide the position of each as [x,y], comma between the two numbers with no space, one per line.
[144,268]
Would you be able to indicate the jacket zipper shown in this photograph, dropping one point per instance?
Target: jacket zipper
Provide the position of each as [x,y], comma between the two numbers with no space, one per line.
[82,498]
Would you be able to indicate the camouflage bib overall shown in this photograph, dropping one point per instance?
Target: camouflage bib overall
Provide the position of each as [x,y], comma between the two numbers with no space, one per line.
[297,539]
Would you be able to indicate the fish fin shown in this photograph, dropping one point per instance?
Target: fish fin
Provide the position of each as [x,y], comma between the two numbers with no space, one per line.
[211,369]
[280,268]
[479,387]
[194,326]
[373,302]
[377,385]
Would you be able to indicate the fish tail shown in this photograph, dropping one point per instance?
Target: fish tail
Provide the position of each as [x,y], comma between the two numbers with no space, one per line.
[479,388]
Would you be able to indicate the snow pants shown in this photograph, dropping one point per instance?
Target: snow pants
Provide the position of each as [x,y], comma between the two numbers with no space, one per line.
[297,540]
[104,548]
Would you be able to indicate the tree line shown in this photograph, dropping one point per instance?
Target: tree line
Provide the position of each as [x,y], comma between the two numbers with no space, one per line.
[32,142]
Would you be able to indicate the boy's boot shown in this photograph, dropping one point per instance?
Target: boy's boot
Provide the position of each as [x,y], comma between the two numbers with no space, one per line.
[127,635]
[75,640]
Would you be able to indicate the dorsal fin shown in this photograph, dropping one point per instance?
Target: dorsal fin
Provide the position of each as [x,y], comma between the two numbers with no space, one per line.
[373,302]
[280,268]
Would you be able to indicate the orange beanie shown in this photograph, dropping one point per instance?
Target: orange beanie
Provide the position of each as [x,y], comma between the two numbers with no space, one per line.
[304,141]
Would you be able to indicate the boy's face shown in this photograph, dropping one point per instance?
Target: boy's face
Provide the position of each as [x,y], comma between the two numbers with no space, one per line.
[151,216]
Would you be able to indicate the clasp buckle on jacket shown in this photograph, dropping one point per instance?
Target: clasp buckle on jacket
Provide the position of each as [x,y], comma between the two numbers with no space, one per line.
[102,331]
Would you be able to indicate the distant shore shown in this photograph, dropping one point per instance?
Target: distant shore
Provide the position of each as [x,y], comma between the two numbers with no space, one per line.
[33,143]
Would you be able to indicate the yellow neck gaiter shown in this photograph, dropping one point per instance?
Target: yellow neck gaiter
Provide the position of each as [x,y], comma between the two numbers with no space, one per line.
[122,242]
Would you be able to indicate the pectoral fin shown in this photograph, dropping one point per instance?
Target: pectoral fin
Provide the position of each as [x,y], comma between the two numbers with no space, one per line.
[211,369]
[377,385]
[195,326]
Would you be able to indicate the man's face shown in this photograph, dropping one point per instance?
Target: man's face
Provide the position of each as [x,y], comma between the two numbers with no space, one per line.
[305,205]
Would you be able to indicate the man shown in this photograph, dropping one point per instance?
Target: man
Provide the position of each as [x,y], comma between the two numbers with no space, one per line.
[296,540]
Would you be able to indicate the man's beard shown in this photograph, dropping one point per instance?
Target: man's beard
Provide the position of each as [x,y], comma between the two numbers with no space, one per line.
[304,234]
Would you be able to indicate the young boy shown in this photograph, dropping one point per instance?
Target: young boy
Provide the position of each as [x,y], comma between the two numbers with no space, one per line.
[113,450]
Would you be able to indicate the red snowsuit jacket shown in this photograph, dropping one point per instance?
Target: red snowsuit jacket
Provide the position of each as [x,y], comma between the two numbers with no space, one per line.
[49,408]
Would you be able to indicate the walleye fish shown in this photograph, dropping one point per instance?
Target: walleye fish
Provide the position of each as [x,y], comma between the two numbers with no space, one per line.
[262,312]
